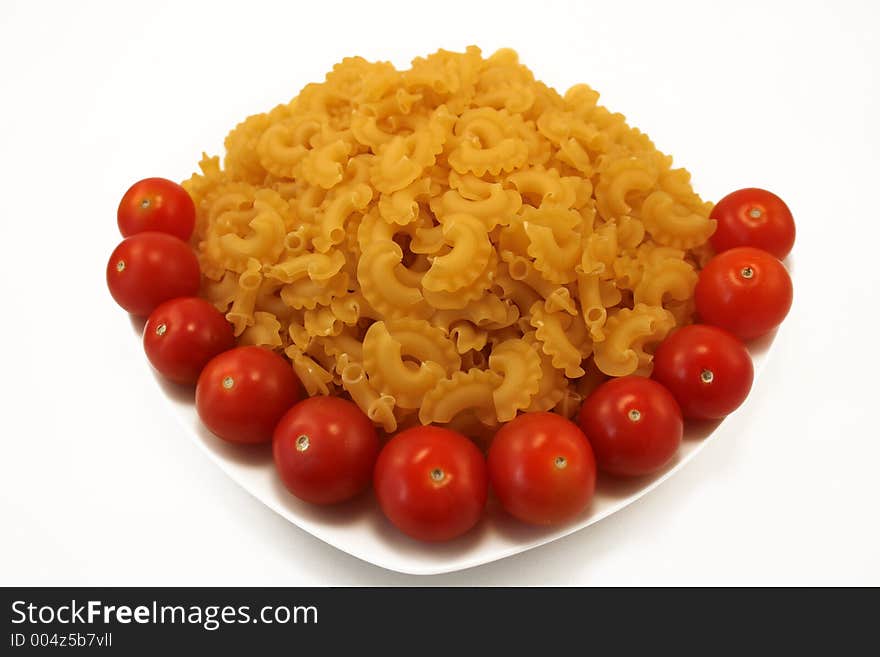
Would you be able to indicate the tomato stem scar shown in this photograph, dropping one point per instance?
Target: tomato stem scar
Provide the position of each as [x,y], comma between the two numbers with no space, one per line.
[437,474]
[747,272]
[120,266]
[302,443]
[707,376]
[560,462]
[228,382]
[145,203]
[160,330]
[635,415]
[755,213]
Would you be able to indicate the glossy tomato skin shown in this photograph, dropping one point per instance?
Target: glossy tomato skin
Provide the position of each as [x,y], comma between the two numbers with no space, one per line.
[431,483]
[745,291]
[156,204]
[753,217]
[542,468]
[243,393]
[325,449]
[182,335]
[634,425]
[707,370]
[149,268]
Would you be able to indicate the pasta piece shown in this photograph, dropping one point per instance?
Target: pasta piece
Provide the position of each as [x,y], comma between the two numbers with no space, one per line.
[468,258]
[379,276]
[629,333]
[315,379]
[390,374]
[520,368]
[462,391]
[550,331]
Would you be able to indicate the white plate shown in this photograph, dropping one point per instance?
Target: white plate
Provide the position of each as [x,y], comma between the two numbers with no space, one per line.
[360,529]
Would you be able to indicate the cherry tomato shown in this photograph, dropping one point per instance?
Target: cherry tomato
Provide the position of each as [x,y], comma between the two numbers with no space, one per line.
[243,393]
[634,425]
[431,483]
[707,370]
[182,335]
[325,449]
[753,217]
[745,291]
[156,204]
[149,268]
[542,468]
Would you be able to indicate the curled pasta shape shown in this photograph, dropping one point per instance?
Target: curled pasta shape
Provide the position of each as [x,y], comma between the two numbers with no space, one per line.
[325,166]
[379,408]
[315,379]
[628,333]
[316,266]
[332,222]
[552,386]
[523,270]
[344,343]
[497,207]
[595,297]
[402,207]
[401,160]
[471,250]
[520,368]
[241,315]
[463,296]
[621,179]
[556,249]
[560,300]
[378,273]
[424,342]
[542,187]
[670,279]
[390,374]
[321,321]
[551,332]
[460,392]
[516,291]
[488,140]
[366,130]
[489,312]
[306,293]
[265,331]
[283,145]
[467,337]
[675,225]
[221,293]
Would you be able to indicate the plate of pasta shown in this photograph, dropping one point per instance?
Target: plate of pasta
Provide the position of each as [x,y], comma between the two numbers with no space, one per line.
[442,315]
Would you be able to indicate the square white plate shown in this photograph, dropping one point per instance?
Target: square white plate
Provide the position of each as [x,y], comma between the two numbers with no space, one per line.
[360,529]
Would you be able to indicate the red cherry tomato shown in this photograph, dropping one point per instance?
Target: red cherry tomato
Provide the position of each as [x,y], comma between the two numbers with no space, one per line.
[156,204]
[325,449]
[182,335]
[431,483]
[243,393]
[633,424]
[149,268]
[753,217]
[745,291]
[707,370]
[542,468]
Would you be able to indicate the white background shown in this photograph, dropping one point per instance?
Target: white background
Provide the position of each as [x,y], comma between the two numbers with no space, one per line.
[98,483]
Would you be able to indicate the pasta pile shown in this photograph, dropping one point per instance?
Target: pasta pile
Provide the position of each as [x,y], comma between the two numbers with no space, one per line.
[453,243]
